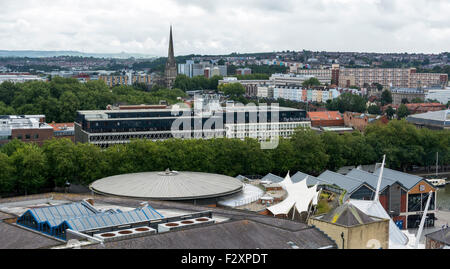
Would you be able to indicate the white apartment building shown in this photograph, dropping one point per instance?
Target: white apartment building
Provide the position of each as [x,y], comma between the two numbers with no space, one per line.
[19,78]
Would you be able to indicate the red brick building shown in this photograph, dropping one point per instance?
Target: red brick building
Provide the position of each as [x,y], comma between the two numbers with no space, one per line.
[326,118]
[29,128]
[359,121]
[419,108]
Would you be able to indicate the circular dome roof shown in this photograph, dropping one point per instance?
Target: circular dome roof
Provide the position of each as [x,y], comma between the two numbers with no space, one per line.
[169,185]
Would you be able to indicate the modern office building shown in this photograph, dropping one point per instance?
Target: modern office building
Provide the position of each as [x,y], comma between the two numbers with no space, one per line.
[192,69]
[27,128]
[128,79]
[108,127]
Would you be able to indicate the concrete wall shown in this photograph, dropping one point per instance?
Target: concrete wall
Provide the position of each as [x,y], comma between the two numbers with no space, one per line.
[356,237]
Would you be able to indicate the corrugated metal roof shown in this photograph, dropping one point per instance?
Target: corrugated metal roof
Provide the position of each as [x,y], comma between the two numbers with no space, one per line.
[407,180]
[371,179]
[273,178]
[311,181]
[345,182]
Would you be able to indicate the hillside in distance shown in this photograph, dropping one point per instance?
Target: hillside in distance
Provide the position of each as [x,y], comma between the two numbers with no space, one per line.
[44,54]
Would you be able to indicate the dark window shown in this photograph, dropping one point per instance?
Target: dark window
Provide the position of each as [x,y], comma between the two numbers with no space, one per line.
[414,202]
[19,137]
[425,199]
[36,136]
[27,136]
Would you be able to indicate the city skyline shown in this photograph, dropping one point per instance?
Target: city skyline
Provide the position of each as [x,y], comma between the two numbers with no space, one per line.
[202,27]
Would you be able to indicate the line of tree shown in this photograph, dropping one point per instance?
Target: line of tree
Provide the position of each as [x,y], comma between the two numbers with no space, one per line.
[197,83]
[348,102]
[60,98]
[27,168]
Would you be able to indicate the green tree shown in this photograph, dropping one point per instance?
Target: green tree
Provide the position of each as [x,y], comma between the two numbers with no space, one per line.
[7,181]
[60,153]
[386,97]
[400,140]
[31,167]
[390,112]
[12,146]
[334,147]
[233,90]
[402,112]
[311,82]
[348,102]
[309,152]
[374,109]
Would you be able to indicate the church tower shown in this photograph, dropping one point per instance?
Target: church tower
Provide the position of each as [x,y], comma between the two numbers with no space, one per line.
[171,66]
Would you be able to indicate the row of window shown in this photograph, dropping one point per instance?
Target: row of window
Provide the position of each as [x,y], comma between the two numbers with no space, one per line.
[28,136]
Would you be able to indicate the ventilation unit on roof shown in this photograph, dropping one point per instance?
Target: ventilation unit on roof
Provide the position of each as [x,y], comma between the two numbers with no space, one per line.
[125,234]
[187,223]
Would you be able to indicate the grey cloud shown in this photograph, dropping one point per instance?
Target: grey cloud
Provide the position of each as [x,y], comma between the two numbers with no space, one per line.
[221,27]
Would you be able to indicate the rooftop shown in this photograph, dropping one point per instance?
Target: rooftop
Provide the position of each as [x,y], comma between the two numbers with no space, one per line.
[347,215]
[325,115]
[442,236]
[169,185]
[240,234]
[15,237]
[441,117]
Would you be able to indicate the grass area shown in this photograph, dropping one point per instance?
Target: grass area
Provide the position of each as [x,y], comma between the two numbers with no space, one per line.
[323,206]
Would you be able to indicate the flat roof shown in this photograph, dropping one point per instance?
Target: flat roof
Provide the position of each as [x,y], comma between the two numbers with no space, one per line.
[170,186]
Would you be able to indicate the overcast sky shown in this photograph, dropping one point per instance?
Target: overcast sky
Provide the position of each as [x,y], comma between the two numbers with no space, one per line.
[222,27]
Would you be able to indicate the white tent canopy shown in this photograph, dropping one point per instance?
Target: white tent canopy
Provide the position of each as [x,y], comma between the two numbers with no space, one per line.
[375,209]
[299,196]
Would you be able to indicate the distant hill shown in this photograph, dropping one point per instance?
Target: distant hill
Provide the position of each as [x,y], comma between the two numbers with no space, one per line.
[43,54]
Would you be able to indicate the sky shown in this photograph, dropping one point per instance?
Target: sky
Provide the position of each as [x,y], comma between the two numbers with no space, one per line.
[223,27]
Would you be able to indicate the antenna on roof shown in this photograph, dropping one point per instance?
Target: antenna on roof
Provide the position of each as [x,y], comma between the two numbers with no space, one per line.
[377,194]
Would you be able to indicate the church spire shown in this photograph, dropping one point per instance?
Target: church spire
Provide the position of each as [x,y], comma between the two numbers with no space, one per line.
[171,59]
[171,65]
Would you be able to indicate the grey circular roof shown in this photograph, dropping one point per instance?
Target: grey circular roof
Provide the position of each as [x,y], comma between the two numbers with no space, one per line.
[168,185]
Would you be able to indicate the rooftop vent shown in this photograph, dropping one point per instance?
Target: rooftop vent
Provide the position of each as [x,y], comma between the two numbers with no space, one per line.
[125,234]
[187,223]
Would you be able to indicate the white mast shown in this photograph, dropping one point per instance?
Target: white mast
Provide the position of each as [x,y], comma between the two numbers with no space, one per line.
[377,193]
[437,164]
[422,222]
